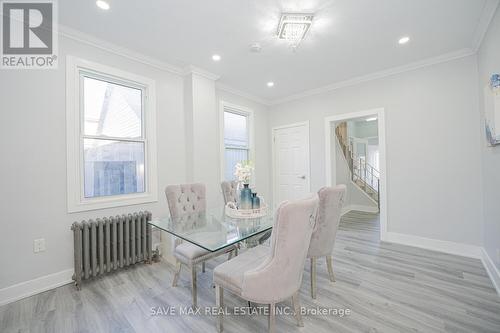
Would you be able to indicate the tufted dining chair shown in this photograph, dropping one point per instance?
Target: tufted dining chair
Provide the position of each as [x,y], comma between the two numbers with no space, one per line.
[268,275]
[187,204]
[229,191]
[331,200]
[229,194]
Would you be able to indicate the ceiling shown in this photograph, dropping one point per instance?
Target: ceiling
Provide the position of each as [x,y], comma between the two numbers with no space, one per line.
[348,38]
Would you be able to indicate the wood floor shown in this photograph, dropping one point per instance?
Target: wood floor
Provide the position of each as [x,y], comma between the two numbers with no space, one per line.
[387,288]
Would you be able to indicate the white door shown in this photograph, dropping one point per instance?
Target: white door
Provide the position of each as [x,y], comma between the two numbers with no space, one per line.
[291,162]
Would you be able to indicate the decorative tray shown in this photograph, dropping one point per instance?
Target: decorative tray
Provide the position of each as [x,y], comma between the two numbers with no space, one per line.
[232,211]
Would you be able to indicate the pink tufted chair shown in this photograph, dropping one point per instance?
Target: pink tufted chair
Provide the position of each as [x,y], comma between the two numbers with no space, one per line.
[331,200]
[187,203]
[268,275]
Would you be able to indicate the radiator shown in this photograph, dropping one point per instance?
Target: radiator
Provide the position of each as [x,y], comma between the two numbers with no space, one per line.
[108,244]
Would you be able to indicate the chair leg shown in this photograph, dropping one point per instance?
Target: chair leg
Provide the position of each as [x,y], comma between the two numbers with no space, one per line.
[272,317]
[203,267]
[193,285]
[233,253]
[329,264]
[297,309]
[177,273]
[313,278]
[219,303]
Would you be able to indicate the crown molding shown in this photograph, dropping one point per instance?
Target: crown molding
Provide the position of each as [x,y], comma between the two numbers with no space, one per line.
[377,75]
[484,22]
[242,94]
[118,50]
[200,72]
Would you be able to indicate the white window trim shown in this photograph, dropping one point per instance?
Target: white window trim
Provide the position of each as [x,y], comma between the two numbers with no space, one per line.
[244,111]
[74,149]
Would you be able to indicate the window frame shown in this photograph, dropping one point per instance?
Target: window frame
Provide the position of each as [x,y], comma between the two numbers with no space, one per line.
[249,114]
[76,70]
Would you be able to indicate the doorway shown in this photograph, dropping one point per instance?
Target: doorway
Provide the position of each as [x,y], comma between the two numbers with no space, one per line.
[358,163]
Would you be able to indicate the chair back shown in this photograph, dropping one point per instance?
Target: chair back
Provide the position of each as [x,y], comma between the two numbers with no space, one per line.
[229,191]
[186,199]
[331,200]
[280,275]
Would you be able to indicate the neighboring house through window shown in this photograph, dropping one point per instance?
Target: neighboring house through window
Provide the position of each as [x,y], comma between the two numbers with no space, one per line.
[111,137]
[236,137]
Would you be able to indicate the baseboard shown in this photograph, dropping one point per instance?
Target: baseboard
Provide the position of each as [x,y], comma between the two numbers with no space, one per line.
[460,249]
[32,287]
[359,208]
[491,269]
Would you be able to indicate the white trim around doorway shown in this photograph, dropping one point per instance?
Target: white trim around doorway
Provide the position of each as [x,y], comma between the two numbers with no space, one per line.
[331,156]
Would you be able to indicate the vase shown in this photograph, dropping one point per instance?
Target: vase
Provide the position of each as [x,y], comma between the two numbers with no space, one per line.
[255,201]
[245,197]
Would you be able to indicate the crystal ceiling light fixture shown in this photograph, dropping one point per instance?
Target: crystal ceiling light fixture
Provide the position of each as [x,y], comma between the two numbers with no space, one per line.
[293,27]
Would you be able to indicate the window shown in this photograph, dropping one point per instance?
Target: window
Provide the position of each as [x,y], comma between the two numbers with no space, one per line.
[236,138]
[111,135]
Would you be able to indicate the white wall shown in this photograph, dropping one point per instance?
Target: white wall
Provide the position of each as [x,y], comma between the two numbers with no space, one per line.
[433,168]
[33,150]
[203,148]
[33,168]
[489,63]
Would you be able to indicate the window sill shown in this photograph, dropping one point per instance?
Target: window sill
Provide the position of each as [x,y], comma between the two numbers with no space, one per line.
[111,202]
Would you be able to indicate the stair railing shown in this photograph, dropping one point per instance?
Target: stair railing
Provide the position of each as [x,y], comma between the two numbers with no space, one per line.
[361,171]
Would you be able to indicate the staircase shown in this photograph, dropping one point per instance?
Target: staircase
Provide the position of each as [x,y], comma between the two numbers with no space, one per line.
[365,176]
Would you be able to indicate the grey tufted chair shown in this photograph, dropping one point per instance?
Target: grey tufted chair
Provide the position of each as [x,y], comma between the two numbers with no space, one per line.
[187,203]
[268,275]
[229,191]
[331,200]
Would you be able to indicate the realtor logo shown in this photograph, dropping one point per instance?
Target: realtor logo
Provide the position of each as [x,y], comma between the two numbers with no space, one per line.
[29,39]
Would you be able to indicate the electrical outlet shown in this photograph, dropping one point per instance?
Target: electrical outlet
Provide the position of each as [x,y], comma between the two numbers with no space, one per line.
[39,245]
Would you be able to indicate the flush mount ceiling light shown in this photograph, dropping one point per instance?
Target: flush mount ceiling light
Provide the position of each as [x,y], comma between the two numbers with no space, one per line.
[293,27]
[102,4]
[404,40]
[216,57]
[270,84]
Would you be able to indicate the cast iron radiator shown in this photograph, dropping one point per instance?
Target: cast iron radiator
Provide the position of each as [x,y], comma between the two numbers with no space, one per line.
[108,244]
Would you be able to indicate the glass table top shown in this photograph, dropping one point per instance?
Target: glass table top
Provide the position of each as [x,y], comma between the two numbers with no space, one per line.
[213,229]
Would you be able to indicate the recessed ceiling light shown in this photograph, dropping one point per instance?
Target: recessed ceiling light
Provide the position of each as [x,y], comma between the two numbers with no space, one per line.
[404,40]
[294,26]
[255,47]
[216,57]
[270,84]
[102,4]
[371,119]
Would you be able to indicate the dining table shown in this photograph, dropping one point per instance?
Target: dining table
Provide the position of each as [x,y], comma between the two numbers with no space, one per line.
[213,229]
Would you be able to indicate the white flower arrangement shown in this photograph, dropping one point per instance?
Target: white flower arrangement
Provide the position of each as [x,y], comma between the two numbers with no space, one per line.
[243,171]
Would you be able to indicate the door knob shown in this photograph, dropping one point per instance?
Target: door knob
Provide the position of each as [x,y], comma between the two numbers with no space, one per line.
[302,177]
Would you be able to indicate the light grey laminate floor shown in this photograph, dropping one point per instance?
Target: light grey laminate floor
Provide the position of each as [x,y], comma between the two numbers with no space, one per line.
[387,288]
